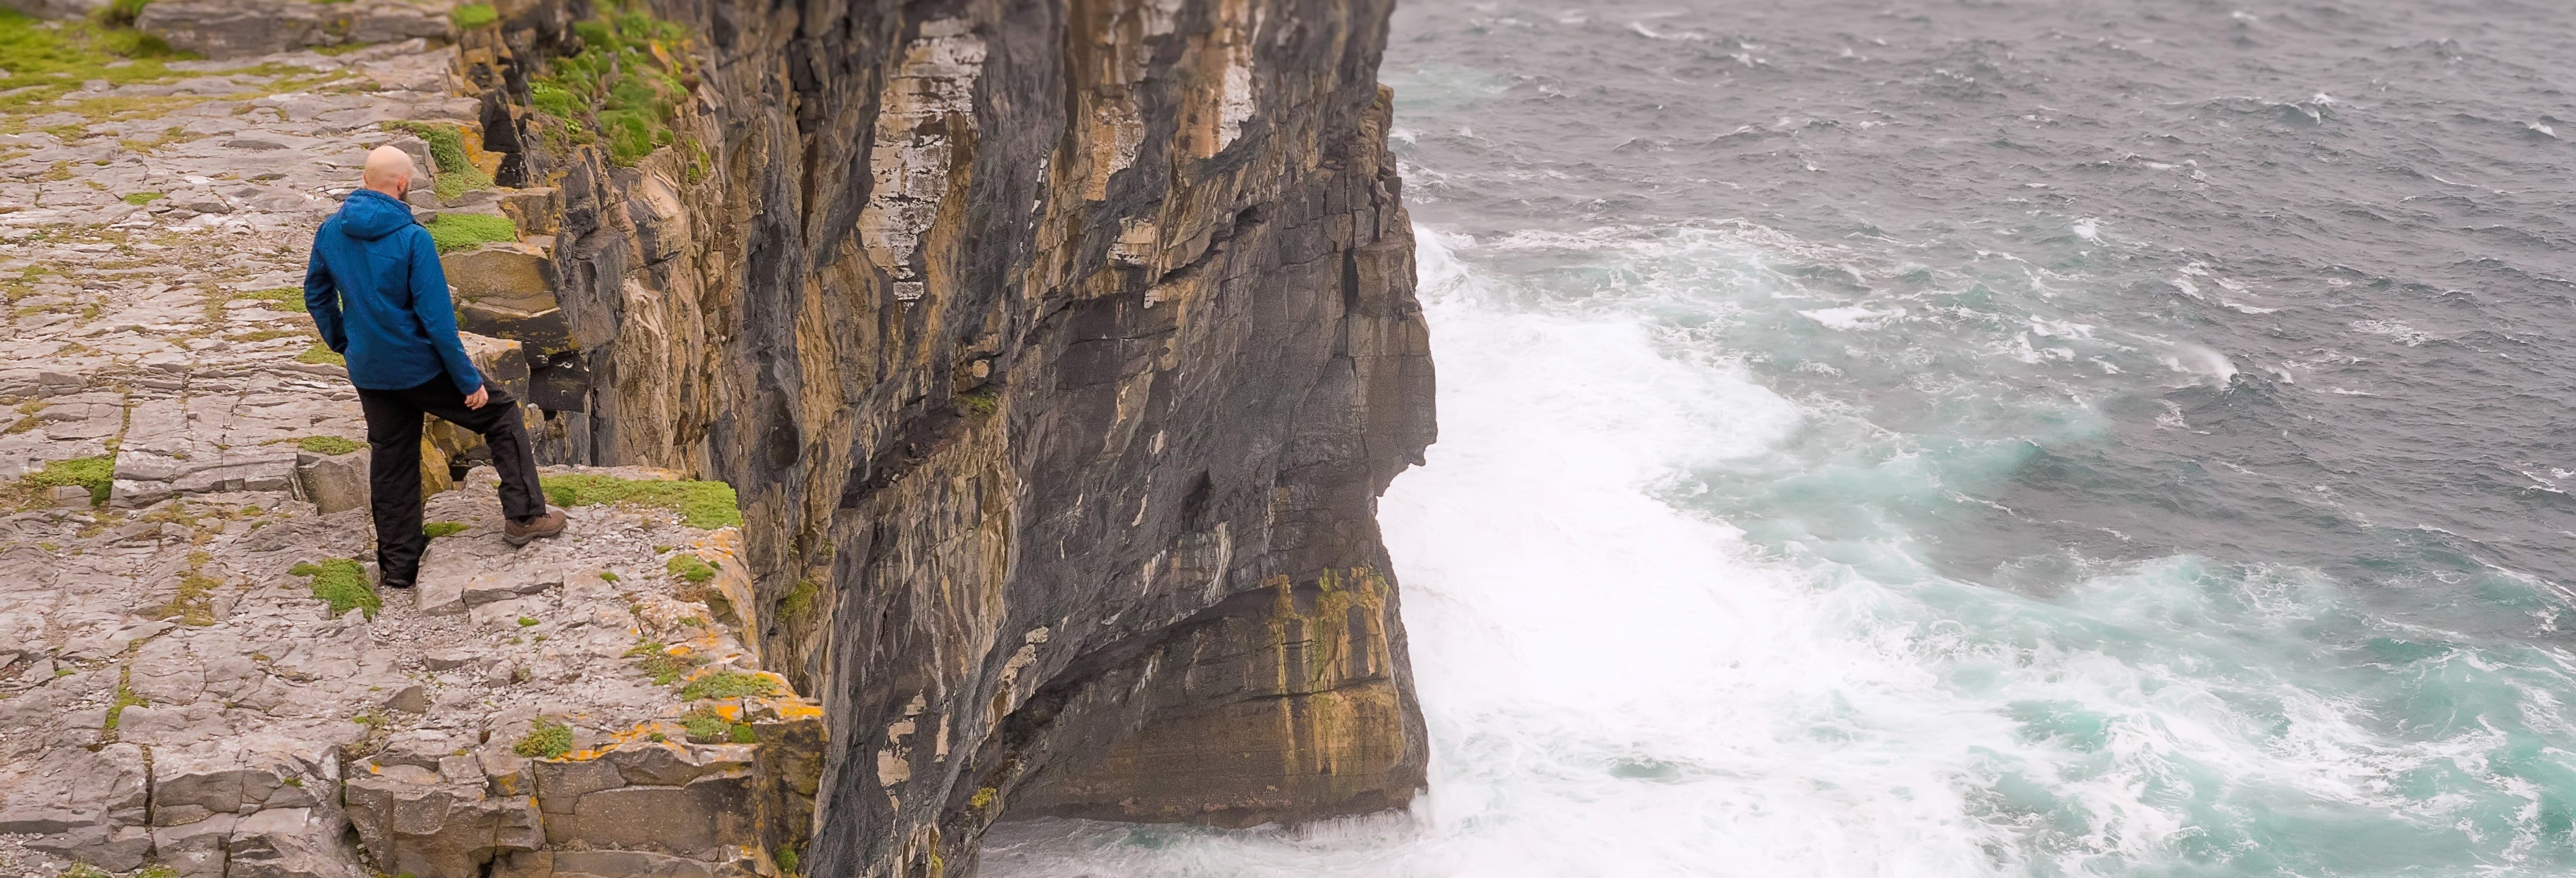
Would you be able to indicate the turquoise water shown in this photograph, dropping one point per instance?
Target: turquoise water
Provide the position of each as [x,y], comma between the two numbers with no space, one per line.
[1977,440]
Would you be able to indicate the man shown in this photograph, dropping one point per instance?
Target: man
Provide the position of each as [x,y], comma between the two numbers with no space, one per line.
[391,318]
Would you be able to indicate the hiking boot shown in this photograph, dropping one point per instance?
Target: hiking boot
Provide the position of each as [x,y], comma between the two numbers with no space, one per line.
[520,532]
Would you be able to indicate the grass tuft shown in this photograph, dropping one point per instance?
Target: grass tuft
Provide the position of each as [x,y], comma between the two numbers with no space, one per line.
[140,199]
[457,173]
[474,15]
[342,583]
[727,684]
[320,354]
[466,231]
[702,505]
[332,446]
[546,739]
[438,529]
[688,568]
[624,86]
[97,474]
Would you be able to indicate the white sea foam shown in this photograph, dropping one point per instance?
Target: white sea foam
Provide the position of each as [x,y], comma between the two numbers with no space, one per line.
[1617,685]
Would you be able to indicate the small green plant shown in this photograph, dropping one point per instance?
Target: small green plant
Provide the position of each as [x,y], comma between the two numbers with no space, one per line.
[140,199]
[979,402]
[702,505]
[656,737]
[329,446]
[342,583]
[465,231]
[727,684]
[527,621]
[457,173]
[293,781]
[624,87]
[320,354]
[799,600]
[97,474]
[983,798]
[687,568]
[656,661]
[707,726]
[125,698]
[609,575]
[786,860]
[85,870]
[474,15]
[546,739]
[288,299]
[437,529]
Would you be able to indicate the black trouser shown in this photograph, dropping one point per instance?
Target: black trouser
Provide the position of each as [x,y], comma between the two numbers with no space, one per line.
[393,468]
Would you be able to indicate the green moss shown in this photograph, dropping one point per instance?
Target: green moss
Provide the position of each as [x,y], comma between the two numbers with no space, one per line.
[979,402]
[727,684]
[466,231]
[983,798]
[702,505]
[527,621]
[437,529]
[608,575]
[142,198]
[625,84]
[656,661]
[342,583]
[688,568]
[45,61]
[289,299]
[125,698]
[95,473]
[474,15]
[786,860]
[457,174]
[743,734]
[333,446]
[800,600]
[546,739]
[320,353]
[85,870]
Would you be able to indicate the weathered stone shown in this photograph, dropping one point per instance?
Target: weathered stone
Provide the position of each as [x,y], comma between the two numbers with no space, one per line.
[625,864]
[509,275]
[82,803]
[675,764]
[291,843]
[504,585]
[561,784]
[194,850]
[411,820]
[332,483]
[233,28]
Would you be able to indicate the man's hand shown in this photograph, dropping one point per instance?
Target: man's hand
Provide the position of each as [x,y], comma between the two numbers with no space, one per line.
[480,396]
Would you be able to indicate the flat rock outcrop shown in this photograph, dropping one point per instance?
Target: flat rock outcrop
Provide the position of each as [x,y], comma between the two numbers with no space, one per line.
[1056,354]
[195,677]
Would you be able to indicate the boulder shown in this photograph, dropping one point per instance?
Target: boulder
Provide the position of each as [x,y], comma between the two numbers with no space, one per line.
[332,482]
[414,820]
[512,275]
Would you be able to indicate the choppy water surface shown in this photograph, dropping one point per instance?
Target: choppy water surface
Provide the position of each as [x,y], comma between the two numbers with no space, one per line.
[1979,438]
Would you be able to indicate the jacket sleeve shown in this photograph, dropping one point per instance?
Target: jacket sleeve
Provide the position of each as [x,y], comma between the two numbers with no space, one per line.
[437,313]
[322,299]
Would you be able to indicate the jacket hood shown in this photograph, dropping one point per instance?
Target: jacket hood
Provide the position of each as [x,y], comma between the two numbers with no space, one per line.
[369,214]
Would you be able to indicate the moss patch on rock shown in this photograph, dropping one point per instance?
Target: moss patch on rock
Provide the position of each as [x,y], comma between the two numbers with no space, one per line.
[546,739]
[457,173]
[342,583]
[320,354]
[624,87]
[333,446]
[439,529]
[474,15]
[688,568]
[466,231]
[702,505]
[727,684]
[97,474]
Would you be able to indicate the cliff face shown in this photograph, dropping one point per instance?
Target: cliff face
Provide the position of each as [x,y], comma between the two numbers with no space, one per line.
[1058,351]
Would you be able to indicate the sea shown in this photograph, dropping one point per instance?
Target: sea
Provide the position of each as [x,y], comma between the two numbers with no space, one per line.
[1976,438]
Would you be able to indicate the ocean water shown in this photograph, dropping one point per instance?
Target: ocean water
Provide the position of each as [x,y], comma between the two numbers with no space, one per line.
[1976,439]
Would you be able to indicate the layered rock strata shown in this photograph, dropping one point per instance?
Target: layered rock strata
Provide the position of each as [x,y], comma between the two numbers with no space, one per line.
[1059,351]
[181,509]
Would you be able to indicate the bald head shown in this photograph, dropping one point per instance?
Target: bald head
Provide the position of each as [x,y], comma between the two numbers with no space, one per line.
[388,171]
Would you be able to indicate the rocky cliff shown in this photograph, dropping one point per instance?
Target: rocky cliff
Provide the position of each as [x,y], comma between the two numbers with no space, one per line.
[1059,351]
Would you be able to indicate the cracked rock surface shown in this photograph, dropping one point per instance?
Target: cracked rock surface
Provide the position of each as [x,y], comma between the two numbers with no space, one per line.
[178,486]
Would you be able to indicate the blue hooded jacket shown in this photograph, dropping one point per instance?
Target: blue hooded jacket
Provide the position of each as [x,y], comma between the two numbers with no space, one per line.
[392,318]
